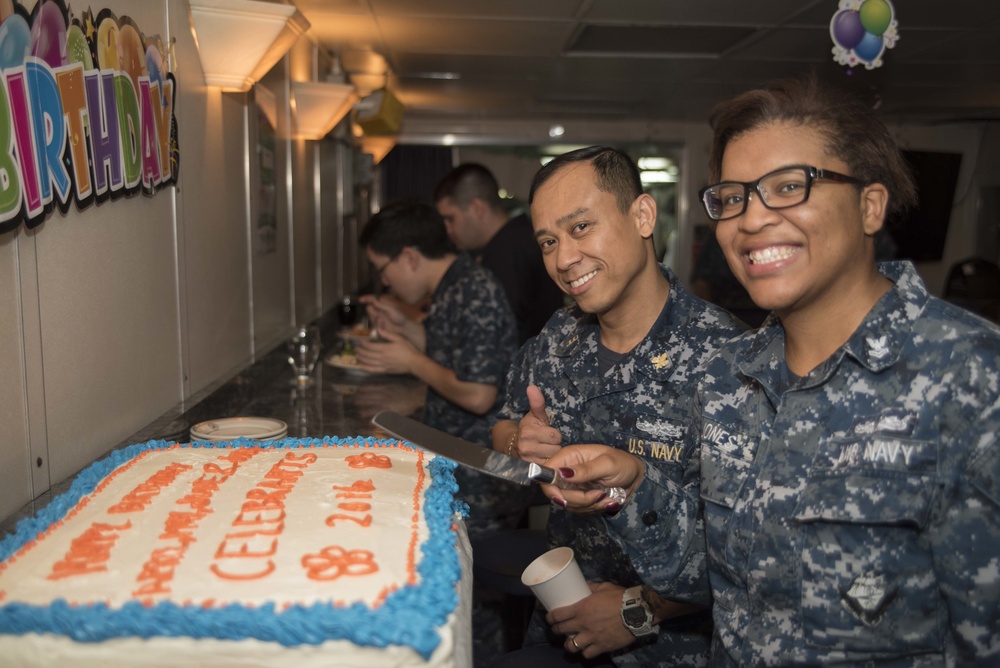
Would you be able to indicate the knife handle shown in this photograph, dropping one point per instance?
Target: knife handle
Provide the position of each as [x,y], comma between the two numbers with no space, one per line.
[550,476]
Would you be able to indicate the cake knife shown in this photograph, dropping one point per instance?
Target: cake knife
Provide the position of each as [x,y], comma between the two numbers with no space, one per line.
[485,460]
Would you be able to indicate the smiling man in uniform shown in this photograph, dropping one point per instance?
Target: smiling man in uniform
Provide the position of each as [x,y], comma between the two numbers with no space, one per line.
[619,369]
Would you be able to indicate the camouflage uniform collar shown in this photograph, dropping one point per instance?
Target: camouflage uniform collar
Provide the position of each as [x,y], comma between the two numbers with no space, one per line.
[667,344]
[656,355]
[876,344]
[456,270]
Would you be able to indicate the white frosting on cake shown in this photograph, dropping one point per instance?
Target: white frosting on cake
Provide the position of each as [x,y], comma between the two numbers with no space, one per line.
[210,528]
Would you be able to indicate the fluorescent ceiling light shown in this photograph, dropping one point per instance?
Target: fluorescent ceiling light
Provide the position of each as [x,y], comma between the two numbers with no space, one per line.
[657,176]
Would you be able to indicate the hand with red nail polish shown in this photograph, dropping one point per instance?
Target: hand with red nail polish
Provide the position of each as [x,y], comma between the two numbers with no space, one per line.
[587,471]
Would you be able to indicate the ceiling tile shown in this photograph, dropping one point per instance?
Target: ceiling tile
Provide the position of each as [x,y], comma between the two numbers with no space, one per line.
[654,58]
[521,9]
[664,40]
[474,36]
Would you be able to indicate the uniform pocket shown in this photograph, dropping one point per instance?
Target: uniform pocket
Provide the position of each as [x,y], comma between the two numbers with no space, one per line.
[724,472]
[868,580]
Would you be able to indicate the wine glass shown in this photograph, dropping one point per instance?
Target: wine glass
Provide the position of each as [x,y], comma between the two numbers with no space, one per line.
[303,353]
[347,312]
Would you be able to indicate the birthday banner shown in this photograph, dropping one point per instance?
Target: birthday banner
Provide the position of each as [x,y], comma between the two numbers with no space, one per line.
[86,111]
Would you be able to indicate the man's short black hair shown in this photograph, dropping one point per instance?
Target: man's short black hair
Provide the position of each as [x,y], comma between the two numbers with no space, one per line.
[615,173]
[407,223]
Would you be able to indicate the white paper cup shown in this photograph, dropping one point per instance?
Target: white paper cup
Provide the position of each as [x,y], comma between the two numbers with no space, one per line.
[555,578]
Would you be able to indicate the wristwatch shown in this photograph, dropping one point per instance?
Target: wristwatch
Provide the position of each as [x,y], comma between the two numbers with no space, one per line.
[636,613]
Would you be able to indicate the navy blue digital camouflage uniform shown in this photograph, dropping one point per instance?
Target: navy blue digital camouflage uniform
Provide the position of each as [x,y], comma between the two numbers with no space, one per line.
[470,329]
[643,405]
[852,515]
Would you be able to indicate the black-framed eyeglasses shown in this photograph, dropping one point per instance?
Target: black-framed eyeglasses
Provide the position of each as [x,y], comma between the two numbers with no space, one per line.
[378,284]
[779,189]
[380,270]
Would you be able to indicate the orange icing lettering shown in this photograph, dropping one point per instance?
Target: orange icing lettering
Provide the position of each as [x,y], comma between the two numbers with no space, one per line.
[215,468]
[368,460]
[334,561]
[360,489]
[363,521]
[268,569]
[158,571]
[143,494]
[254,512]
[268,499]
[200,497]
[241,455]
[243,546]
[356,507]
[306,459]
[90,551]
[180,527]
[264,510]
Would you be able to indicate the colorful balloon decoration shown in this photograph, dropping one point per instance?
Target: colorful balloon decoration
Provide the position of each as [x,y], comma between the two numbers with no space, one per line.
[15,42]
[77,48]
[862,30]
[132,53]
[48,35]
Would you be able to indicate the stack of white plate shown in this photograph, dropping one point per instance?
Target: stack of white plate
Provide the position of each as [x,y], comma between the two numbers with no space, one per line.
[226,429]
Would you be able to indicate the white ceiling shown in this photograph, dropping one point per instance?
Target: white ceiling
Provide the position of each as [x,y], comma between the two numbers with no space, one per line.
[650,59]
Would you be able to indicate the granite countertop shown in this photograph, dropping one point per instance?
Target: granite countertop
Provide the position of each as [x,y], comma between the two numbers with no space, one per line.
[338,403]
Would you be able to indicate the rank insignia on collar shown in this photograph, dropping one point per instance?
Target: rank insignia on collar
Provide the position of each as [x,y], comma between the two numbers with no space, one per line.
[660,361]
[877,348]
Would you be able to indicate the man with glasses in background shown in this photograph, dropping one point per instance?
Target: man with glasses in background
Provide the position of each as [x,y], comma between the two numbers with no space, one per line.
[461,349]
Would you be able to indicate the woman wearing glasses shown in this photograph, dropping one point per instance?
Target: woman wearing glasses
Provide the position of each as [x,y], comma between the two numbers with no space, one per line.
[850,464]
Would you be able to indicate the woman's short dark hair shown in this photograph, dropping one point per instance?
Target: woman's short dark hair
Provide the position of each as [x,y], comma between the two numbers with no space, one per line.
[616,173]
[406,223]
[853,133]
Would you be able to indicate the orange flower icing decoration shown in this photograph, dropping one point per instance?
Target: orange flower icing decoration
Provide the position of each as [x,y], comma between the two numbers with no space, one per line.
[334,561]
[369,460]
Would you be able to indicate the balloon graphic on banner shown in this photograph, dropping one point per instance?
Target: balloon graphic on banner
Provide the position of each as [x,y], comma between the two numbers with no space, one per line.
[869,48]
[133,54]
[77,49]
[48,35]
[846,28]
[155,67]
[15,42]
[109,51]
[876,15]
[862,30]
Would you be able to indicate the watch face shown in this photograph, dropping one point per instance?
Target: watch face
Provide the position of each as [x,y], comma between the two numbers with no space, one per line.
[634,617]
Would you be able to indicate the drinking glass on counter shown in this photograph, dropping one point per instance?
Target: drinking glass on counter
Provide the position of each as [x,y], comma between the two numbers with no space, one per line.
[347,311]
[303,353]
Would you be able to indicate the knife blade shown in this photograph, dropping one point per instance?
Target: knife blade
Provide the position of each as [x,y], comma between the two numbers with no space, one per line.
[485,460]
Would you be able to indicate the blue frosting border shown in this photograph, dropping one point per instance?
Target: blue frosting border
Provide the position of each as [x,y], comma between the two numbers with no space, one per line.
[410,616]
